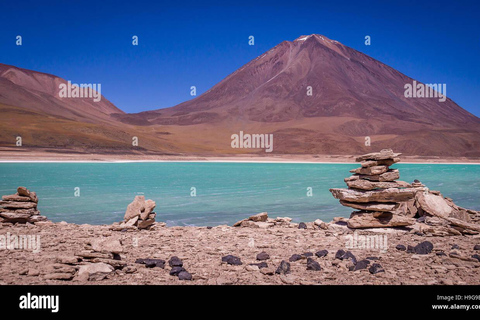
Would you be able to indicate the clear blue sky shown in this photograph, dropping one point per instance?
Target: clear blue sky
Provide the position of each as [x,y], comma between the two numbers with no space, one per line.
[185,43]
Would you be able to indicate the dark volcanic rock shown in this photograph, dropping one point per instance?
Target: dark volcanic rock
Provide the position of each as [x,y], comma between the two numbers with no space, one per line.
[321,253]
[362,264]
[260,265]
[307,254]
[302,225]
[375,268]
[476,247]
[313,265]
[424,247]
[175,262]
[410,249]
[184,275]
[283,268]
[151,263]
[340,253]
[176,270]
[295,257]
[441,253]
[263,256]
[400,247]
[232,260]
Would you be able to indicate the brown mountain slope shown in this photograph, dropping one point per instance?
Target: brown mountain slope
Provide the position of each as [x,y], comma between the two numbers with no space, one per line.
[353,97]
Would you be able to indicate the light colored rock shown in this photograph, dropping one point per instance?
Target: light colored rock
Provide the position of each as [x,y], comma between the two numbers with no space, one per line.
[374,170]
[94,271]
[390,175]
[17,205]
[135,208]
[263,216]
[371,206]
[384,195]
[386,162]
[433,204]
[16,197]
[149,206]
[109,245]
[360,219]
[58,276]
[372,185]
[144,224]
[384,154]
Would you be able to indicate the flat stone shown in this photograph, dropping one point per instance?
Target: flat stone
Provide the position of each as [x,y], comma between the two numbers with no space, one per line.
[135,208]
[374,170]
[370,206]
[372,185]
[383,195]
[361,219]
[384,154]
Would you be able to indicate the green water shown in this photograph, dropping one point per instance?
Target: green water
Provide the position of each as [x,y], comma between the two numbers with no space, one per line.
[98,193]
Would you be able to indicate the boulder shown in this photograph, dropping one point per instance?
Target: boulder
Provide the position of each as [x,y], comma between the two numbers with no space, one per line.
[94,271]
[110,245]
[433,204]
[135,208]
[362,219]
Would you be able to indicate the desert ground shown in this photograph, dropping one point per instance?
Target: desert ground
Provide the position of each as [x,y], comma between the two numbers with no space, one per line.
[286,253]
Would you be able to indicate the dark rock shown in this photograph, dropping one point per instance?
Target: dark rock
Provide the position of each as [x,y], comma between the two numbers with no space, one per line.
[424,247]
[362,264]
[260,265]
[295,257]
[313,265]
[321,253]
[400,247]
[263,256]
[209,227]
[372,258]
[418,233]
[307,254]
[476,247]
[455,246]
[476,256]
[375,268]
[440,253]
[302,225]
[116,256]
[176,270]
[151,263]
[283,268]
[416,181]
[232,260]
[184,275]
[340,253]
[175,262]
[410,249]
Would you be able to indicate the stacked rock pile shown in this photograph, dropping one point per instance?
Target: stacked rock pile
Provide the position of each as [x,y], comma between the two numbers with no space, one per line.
[20,207]
[383,201]
[139,215]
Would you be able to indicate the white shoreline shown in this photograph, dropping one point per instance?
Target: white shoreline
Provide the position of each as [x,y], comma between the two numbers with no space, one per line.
[217,161]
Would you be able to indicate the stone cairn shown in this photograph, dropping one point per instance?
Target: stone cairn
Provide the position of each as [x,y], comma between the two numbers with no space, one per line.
[20,207]
[139,215]
[382,201]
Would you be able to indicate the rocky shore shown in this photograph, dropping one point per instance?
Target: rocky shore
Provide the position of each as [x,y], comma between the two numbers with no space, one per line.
[284,253]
